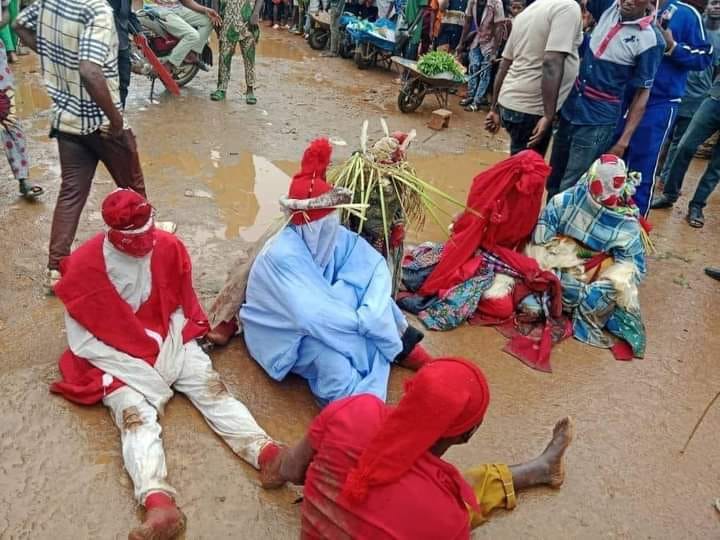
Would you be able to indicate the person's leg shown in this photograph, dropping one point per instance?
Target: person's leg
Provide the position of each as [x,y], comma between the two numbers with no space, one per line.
[144,459]
[124,71]
[177,26]
[483,83]
[520,127]
[496,485]
[475,61]
[247,47]
[702,126]
[77,165]
[335,29]
[120,157]
[681,125]
[202,24]
[227,416]
[562,142]
[587,143]
[709,179]
[227,51]
[644,149]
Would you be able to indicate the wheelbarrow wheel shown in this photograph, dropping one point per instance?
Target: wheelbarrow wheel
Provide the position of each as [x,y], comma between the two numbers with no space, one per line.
[318,39]
[363,58]
[411,96]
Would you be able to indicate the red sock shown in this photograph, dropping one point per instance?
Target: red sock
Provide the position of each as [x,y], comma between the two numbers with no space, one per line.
[158,499]
[417,358]
[269,452]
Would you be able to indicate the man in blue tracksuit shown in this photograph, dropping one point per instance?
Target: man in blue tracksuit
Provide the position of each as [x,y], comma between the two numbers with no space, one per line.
[686,50]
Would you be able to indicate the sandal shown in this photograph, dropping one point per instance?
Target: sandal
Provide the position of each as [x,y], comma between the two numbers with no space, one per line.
[695,217]
[218,95]
[30,192]
[250,98]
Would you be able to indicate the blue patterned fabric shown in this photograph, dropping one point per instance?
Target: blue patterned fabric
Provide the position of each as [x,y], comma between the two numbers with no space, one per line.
[574,213]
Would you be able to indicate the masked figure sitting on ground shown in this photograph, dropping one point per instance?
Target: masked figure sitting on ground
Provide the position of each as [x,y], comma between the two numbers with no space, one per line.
[318,300]
[132,320]
[374,471]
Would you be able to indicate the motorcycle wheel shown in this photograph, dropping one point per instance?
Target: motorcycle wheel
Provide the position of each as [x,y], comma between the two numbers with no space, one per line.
[318,39]
[186,73]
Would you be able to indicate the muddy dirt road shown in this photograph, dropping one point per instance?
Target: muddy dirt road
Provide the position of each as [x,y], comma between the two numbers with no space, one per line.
[61,470]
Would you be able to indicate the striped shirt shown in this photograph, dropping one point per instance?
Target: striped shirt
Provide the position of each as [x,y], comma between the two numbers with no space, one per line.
[68,32]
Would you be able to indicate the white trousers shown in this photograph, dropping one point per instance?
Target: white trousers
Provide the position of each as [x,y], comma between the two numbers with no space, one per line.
[137,421]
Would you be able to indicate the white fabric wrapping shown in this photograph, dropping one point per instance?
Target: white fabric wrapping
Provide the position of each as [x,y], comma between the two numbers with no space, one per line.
[185,367]
[134,372]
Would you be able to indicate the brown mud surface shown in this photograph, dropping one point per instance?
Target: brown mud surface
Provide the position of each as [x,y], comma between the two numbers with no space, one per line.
[61,472]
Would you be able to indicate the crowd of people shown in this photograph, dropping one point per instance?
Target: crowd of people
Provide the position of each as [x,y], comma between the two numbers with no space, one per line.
[605,81]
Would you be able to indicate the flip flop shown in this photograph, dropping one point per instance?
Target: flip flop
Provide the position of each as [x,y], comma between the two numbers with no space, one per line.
[250,99]
[218,95]
[30,192]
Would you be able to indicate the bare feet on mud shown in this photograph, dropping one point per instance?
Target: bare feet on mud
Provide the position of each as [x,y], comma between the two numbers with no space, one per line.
[161,523]
[563,434]
[270,477]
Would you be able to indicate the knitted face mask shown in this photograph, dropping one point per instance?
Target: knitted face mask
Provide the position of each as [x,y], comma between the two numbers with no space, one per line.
[609,182]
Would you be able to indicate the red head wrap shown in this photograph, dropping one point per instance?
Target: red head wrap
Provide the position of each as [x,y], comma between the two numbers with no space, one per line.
[447,397]
[129,217]
[310,181]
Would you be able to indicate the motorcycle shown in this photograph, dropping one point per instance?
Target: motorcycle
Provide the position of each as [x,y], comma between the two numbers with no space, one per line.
[148,24]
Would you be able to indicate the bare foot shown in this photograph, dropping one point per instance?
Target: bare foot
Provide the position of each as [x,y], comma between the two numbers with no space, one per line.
[563,434]
[161,523]
[270,477]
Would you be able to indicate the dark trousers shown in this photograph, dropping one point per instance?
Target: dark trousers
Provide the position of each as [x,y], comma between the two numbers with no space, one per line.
[79,157]
[520,126]
[575,148]
[702,126]
[124,70]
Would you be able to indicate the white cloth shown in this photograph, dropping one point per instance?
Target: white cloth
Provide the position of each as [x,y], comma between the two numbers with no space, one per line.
[184,367]
[320,237]
[142,448]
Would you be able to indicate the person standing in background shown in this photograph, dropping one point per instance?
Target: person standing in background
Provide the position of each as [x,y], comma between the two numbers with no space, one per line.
[686,49]
[122,11]
[488,17]
[11,134]
[7,34]
[536,73]
[624,49]
[696,90]
[452,27]
[78,47]
[240,26]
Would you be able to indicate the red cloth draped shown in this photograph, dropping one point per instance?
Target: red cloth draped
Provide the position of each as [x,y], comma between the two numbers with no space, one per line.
[504,203]
[91,299]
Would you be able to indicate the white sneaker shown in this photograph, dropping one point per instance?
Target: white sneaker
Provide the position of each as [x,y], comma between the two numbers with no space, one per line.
[166,226]
[50,279]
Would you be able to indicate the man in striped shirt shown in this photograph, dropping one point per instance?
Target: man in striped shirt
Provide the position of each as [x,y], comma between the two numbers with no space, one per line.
[78,47]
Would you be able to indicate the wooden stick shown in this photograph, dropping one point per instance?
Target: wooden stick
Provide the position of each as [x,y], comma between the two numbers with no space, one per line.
[697,424]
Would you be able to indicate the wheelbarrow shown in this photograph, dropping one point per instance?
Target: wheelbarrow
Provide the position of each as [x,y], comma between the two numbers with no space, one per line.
[415,86]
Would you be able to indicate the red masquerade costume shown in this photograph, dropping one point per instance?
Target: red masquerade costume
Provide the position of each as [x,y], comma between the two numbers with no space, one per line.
[372,475]
[132,319]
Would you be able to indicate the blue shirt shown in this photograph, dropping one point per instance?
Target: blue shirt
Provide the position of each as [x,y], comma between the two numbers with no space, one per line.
[699,82]
[618,54]
[691,53]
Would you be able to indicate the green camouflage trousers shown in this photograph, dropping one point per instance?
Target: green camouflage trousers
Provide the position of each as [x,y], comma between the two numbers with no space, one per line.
[236,29]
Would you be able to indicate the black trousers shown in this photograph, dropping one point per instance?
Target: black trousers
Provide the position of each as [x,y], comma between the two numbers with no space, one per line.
[124,71]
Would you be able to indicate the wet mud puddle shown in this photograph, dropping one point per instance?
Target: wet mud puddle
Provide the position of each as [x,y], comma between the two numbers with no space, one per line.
[247,190]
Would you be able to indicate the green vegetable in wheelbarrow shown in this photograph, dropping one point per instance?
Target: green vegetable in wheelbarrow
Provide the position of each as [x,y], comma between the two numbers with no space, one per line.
[438,62]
